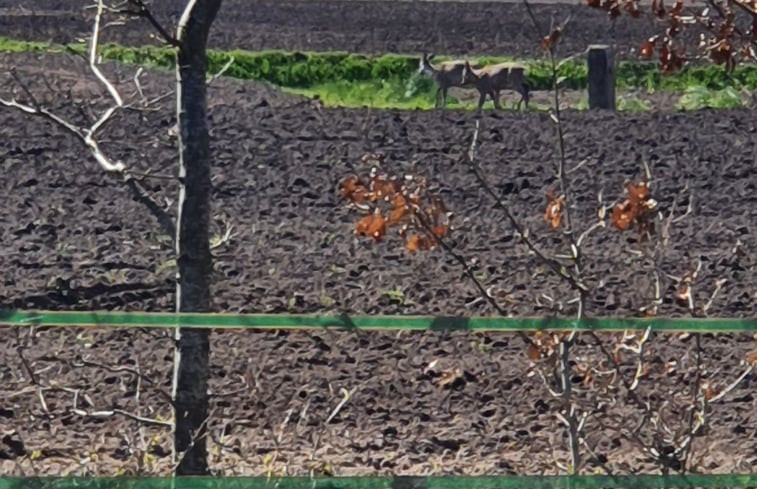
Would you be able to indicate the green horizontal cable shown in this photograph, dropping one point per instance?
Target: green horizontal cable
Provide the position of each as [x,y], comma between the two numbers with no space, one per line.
[387,323]
[399,482]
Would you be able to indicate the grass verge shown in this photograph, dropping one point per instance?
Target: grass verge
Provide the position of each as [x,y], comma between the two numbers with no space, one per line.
[391,81]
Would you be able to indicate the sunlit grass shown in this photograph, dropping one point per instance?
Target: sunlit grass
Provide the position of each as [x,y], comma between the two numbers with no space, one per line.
[391,81]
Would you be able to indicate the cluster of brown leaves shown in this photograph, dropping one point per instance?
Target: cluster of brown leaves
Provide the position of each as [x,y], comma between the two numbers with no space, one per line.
[721,40]
[390,201]
[614,7]
[751,357]
[636,211]
[544,345]
[555,207]
[551,39]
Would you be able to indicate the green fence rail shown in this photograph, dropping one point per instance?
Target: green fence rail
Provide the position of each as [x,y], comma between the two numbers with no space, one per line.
[317,321]
[398,482]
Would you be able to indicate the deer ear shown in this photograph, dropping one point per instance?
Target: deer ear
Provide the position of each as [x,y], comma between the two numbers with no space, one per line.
[430,57]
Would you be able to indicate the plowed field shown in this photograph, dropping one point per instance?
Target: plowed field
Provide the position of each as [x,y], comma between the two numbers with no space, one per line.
[467,28]
[73,238]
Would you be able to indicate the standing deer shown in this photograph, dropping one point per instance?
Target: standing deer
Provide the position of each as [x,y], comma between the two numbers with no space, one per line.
[489,80]
[446,74]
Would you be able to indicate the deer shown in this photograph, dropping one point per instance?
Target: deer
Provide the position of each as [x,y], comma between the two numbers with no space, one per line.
[446,74]
[489,80]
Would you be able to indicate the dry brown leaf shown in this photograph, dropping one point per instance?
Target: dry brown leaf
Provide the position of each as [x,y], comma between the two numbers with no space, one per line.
[555,207]
[551,39]
[533,352]
[372,225]
[647,48]
[417,242]
[751,358]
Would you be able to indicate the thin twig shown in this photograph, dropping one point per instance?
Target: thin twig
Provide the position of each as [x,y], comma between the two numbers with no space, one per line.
[144,12]
[121,412]
[346,395]
[732,385]
[429,231]
[686,449]
[221,71]
[558,268]
[93,44]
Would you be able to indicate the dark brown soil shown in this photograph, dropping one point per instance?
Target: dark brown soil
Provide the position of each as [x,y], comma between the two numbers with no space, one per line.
[74,239]
[366,26]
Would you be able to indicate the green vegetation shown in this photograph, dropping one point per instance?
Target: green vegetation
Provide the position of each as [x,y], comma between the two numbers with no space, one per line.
[699,97]
[13,46]
[632,104]
[416,92]
[391,80]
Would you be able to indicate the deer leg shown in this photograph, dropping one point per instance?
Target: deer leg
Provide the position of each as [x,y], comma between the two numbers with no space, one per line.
[444,97]
[481,100]
[523,95]
[436,100]
[495,98]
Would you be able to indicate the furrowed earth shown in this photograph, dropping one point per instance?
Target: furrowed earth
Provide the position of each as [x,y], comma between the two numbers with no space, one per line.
[420,403]
[464,28]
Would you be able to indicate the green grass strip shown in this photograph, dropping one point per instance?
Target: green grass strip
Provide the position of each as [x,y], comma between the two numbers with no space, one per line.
[397,482]
[344,321]
[308,69]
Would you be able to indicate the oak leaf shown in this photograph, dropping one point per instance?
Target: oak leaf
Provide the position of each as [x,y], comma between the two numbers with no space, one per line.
[647,48]
[551,39]
[555,207]
[751,358]
[417,242]
[372,225]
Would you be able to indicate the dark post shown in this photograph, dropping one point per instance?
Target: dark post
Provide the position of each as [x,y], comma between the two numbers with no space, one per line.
[601,77]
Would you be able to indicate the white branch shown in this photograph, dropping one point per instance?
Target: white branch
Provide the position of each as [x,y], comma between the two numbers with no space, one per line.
[347,394]
[84,135]
[733,385]
[184,20]
[93,56]
[113,412]
[221,71]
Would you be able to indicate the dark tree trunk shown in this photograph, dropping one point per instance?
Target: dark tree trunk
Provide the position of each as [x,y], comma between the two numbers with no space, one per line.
[190,389]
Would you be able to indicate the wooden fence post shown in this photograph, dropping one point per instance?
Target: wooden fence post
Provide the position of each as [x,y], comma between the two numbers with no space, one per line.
[601,77]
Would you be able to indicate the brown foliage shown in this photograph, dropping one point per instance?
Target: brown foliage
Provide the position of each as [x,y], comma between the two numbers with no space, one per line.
[551,39]
[751,358]
[389,201]
[555,207]
[722,40]
[636,210]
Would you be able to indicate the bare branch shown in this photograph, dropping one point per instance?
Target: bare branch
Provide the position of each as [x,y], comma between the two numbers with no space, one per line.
[467,270]
[86,136]
[93,57]
[556,266]
[222,240]
[539,30]
[82,135]
[23,86]
[221,71]
[718,285]
[138,85]
[144,12]
[732,385]
[346,395]
[121,412]
[139,193]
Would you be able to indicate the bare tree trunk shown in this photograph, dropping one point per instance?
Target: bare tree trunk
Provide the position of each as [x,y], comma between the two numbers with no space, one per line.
[190,382]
